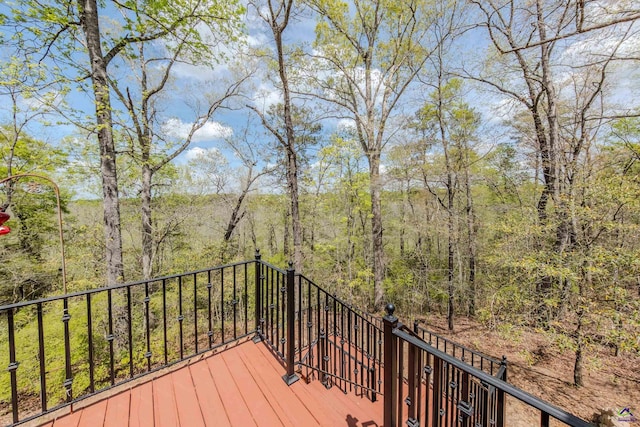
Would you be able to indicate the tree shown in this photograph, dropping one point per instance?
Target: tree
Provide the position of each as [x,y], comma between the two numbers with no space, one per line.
[150,145]
[367,57]
[211,170]
[59,31]
[28,100]
[564,107]
[448,124]
[277,15]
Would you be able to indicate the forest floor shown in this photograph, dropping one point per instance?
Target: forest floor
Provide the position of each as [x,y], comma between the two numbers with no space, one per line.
[537,365]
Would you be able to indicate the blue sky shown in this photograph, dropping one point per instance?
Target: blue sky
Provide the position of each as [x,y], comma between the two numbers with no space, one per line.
[192,81]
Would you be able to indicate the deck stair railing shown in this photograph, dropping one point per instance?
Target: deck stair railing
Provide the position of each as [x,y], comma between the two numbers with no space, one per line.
[424,386]
[328,338]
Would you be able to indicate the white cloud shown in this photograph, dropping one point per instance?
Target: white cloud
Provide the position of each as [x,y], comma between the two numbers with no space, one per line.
[211,130]
[266,96]
[199,152]
[346,125]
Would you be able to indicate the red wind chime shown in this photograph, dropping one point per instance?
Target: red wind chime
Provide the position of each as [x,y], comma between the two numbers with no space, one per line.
[4,229]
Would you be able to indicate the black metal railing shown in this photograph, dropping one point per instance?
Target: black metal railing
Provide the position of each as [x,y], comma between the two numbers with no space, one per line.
[342,345]
[62,349]
[472,357]
[66,348]
[329,339]
[424,386]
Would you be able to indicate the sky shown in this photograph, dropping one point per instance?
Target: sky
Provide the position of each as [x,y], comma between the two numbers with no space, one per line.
[192,82]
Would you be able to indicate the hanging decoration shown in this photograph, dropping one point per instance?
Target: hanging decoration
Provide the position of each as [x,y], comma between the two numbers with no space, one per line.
[4,229]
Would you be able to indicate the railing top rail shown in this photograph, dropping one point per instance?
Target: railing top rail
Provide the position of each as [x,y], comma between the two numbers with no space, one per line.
[521,395]
[466,349]
[21,304]
[373,320]
[268,264]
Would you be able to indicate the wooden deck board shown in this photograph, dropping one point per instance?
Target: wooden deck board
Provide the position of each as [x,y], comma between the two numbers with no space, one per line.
[117,413]
[241,386]
[141,406]
[165,411]
[270,384]
[234,404]
[208,396]
[189,412]
[259,407]
[94,414]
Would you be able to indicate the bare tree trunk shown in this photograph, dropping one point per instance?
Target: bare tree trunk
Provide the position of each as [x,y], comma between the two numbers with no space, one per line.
[471,248]
[286,234]
[147,225]
[376,230]
[450,249]
[403,215]
[113,238]
[282,11]
[578,380]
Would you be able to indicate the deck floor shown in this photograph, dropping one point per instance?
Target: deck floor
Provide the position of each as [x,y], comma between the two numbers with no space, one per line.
[241,386]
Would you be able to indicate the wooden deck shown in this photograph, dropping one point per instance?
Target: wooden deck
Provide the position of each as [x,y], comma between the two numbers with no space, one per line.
[241,386]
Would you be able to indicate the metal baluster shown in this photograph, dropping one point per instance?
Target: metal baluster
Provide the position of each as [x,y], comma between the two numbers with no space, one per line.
[419,371]
[319,332]
[130,331]
[43,372]
[68,382]
[180,317]
[466,399]
[428,370]
[309,324]
[299,316]
[89,345]
[244,299]
[279,294]
[326,341]
[446,386]
[358,349]
[164,319]
[342,341]
[399,389]
[222,303]
[411,380]
[110,337]
[235,305]
[195,311]
[283,314]
[335,336]
[380,342]
[437,390]
[147,318]
[369,356]
[13,365]
[349,345]
[210,309]
[272,305]
[258,298]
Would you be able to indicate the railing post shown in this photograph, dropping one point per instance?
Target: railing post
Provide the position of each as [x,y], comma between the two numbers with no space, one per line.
[290,377]
[258,294]
[390,367]
[502,403]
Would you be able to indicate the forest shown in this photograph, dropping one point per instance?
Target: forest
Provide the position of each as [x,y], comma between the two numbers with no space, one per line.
[471,158]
